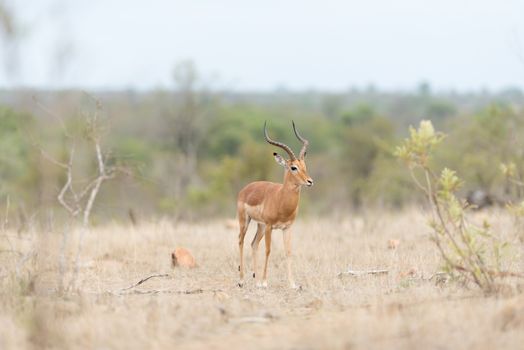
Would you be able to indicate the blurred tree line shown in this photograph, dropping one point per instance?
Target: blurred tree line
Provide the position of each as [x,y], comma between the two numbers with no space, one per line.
[189,150]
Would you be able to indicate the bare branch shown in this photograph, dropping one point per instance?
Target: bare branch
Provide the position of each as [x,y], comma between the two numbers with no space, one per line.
[100,158]
[73,209]
[51,159]
[86,189]
[91,200]
[145,279]
[54,115]
[417,182]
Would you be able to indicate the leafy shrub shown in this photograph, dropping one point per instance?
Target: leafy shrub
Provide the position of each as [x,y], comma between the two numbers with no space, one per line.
[470,252]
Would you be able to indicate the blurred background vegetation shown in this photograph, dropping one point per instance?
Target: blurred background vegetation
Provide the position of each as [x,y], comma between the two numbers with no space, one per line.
[188,148]
[187,151]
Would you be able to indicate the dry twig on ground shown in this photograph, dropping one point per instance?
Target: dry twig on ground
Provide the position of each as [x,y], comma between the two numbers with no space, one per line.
[145,279]
[357,273]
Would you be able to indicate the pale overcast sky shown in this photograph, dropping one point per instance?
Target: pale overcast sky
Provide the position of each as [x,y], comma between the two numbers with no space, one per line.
[242,44]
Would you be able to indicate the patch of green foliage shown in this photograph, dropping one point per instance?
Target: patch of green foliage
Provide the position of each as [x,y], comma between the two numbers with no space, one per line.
[18,165]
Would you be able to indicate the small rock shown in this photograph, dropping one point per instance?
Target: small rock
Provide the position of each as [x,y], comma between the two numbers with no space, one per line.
[182,257]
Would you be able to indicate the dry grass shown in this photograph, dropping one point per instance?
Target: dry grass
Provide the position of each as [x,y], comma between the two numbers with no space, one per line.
[403,309]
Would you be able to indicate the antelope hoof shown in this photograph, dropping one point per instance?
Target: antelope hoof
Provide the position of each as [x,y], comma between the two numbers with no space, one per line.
[241,283]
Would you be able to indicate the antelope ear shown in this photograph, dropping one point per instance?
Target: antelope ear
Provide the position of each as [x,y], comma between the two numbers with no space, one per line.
[281,161]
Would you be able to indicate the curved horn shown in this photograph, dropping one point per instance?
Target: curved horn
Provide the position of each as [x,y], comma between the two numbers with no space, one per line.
[279,144]
[305,142]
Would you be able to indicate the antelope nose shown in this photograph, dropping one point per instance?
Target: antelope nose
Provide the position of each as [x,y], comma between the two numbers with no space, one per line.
[309,182]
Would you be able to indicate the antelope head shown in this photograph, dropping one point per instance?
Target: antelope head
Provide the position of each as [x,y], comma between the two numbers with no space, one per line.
[296,169]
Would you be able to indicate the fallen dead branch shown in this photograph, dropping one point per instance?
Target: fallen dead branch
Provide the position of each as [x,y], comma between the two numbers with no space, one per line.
[145,279]
[358,273]
[503,274]
[435,275]
[164,291]
[130,290]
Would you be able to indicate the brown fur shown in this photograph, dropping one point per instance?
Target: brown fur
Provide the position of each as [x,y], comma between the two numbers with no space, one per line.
[272,205]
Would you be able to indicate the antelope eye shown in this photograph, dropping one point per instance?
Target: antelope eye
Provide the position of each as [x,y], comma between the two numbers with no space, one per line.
[294,168]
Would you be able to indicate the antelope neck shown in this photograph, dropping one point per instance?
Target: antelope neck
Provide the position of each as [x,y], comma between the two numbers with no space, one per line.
[290,191]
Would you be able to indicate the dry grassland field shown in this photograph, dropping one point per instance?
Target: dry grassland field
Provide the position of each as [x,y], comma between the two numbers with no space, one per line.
[409,307]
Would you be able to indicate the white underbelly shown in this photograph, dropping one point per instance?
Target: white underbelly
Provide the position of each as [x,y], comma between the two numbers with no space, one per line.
[277,226]
[255,213]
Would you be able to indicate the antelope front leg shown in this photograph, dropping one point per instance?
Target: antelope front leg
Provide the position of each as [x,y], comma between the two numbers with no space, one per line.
[254,246]
[268,251]
[244,222]
[287,246]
